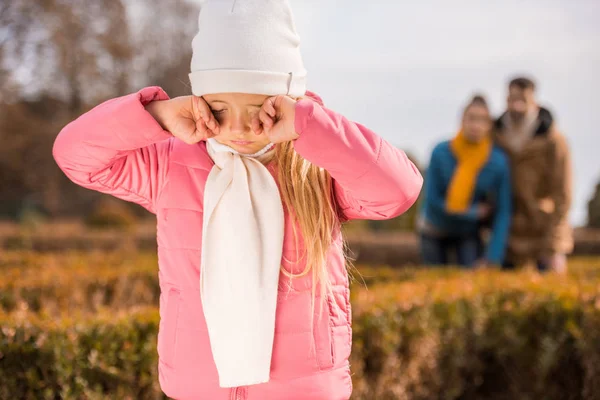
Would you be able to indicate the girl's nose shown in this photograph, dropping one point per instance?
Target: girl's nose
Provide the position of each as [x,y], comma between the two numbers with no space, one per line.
[239,125]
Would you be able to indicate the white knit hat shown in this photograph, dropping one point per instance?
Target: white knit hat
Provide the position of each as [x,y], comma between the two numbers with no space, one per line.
[247,46]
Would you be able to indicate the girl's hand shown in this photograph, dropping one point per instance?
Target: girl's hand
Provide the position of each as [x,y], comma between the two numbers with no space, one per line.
[188,118]
[276,119]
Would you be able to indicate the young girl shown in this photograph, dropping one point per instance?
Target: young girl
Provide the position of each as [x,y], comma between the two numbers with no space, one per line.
[465,175]
[250,179]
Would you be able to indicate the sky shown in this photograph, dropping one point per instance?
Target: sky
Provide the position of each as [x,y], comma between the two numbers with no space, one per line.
[406,68]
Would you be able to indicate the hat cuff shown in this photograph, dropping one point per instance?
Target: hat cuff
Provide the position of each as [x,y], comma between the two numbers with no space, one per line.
[246,81]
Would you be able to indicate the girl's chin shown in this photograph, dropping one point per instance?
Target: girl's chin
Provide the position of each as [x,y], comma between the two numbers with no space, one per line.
[245,147]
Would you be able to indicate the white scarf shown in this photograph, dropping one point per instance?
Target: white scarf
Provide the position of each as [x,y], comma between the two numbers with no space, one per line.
[241,256]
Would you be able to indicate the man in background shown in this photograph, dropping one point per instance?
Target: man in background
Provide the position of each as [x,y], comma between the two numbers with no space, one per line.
[541,177]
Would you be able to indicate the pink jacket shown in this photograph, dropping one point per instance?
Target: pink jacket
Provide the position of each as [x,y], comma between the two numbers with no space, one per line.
[119,149]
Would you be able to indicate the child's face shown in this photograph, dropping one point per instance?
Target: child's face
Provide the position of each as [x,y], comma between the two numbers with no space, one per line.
[234,113]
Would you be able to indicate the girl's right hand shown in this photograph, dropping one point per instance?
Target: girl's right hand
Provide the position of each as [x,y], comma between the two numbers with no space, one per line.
[188,118]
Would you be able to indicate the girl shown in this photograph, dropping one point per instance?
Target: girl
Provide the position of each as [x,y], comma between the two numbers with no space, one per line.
[464,176]
[250,179]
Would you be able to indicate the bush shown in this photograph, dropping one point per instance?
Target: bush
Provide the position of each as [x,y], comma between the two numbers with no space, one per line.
[68,282]
[107,356]
[418,334]
[111,213]
[490,335]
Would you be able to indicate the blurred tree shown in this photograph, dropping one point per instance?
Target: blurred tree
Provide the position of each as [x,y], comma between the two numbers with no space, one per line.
[163,37]
[58,58]
[15,18]
[28,177]
[594,209]
[78,50]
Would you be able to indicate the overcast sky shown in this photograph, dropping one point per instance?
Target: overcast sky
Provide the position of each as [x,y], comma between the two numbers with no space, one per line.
[405,68]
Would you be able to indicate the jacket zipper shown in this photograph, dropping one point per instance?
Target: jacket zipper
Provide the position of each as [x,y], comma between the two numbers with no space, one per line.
[238,393]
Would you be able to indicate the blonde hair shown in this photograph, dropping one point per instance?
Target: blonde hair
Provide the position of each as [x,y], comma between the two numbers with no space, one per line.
[307,194]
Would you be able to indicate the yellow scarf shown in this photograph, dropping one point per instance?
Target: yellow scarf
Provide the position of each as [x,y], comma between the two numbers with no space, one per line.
[470,157]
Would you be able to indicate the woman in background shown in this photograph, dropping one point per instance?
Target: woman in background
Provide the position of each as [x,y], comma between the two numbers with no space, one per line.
[467,184]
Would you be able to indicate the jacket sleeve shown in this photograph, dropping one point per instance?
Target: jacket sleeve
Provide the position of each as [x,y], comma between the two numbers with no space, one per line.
[435,190]
[502,216]
[117,148]
[372,179]
[561,193]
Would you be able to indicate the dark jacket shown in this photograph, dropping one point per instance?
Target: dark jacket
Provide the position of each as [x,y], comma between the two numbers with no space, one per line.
[492,185]
[541,181]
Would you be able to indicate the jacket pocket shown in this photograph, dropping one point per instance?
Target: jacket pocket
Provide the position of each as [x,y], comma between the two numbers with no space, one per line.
[323,336]
[167,335]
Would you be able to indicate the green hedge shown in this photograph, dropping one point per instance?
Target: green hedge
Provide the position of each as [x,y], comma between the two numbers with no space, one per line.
[507,345]
[418,334]
[107,356]
[75,281]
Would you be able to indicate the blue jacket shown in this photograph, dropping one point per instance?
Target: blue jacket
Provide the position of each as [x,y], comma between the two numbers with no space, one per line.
[493,186]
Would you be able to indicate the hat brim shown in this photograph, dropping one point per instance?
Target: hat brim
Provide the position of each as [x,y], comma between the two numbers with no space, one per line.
[245,81]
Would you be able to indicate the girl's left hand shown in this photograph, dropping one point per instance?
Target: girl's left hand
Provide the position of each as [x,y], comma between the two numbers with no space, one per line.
[276,119]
